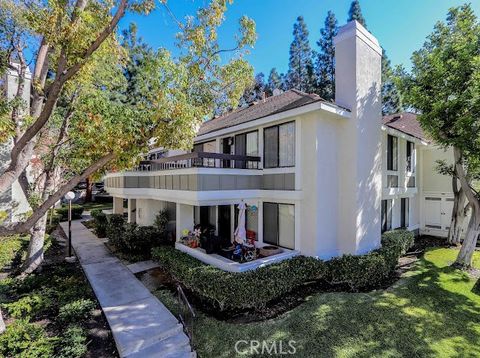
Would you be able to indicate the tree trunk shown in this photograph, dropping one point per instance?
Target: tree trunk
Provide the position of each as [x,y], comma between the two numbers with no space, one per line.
[35,247]
[465,256]
[2,323]
[458,217]
[464,259]
[88,193]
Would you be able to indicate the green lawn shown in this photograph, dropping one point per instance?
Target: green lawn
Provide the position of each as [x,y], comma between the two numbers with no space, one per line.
[430,312]
[93,205]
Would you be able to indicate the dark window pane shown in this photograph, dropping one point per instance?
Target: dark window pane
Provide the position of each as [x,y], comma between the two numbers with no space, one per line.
[270,223]
[271,147]
[240,149]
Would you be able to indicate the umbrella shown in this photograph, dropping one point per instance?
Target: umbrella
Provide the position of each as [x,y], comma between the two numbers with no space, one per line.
[240,234]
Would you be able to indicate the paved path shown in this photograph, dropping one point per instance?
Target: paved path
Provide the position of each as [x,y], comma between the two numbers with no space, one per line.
[141,325]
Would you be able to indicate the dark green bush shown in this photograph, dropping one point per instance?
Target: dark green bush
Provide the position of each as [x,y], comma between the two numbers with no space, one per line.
[254,289]
[24,339]
[476,287]
[77,212]
[100,222]
[74,343]
[76,311]
[131,239]
[115,229]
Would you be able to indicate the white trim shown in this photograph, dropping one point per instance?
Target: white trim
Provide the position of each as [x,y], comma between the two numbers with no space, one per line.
[400,134]
[271,119]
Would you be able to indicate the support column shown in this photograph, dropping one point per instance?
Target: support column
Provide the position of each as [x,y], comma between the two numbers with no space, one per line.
[117,205]
[184,219]
[132,210]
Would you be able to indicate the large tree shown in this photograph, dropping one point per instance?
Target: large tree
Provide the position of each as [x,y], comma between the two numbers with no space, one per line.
[274,82]
[355,13]
[172,94]
[300,66]
[391,97]
[325,61]
[444,85]
[255,92]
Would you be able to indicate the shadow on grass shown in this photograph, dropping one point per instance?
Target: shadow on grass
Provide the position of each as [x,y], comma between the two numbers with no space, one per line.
[431,313]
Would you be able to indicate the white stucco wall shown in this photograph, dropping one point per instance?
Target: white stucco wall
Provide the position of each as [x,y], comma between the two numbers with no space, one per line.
[358,81]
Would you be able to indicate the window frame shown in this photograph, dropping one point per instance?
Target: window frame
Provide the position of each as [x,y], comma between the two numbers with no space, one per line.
[386,220]
[277,243]
[277,126]
[405,212]
[410,159]
[392,155]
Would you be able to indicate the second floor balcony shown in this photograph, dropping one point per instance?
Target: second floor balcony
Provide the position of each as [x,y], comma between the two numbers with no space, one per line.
[201,160]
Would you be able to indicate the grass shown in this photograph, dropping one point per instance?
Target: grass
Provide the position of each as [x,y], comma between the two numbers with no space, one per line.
[93,205]
[430,312]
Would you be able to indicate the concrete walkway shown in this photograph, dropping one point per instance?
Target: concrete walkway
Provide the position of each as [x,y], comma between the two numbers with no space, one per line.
[141,325]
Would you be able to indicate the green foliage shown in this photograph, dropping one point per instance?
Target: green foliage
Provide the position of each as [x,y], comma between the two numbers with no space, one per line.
[300,66]
[100,222]
[444,83]
[254,289]
[161,221]
[74,343]
[274,82]
[26,340]
[355,13]
[325,62]
[77,212]
[75,311]
[134,240]
[476,287]
[29,305]
[10,248]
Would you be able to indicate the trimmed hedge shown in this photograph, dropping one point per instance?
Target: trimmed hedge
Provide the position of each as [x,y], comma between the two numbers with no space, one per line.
[77,212]
[229,291]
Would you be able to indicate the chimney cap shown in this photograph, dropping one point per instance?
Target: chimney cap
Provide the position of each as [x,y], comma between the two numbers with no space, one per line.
[356,29]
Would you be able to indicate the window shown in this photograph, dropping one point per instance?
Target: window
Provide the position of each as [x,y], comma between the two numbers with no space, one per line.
[410,157]
[279,224]
[251,220]
[392,153]
[405,218]
[279,146]
[246,144]
[386,215]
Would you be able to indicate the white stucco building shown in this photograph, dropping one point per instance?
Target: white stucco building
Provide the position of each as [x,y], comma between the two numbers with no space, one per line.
[13,202]
[320,178]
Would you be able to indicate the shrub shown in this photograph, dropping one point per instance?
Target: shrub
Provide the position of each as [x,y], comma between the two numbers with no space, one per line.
[76,311]
[100,222]
[28,340]
[77,212]
[74,343]
[10,247]
[476,287]
[254,289]
[161,221]
[131,239]
[27,306]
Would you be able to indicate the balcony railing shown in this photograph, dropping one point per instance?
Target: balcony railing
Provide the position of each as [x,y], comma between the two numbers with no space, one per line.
[200,160]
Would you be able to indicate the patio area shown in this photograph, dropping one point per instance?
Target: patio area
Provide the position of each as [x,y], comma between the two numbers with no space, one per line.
[229,265]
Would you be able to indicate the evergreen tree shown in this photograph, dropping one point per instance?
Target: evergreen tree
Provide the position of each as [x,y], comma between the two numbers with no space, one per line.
[325,61]
[274,82]
[391,98]
[300,66]
[255,92]
[355,13]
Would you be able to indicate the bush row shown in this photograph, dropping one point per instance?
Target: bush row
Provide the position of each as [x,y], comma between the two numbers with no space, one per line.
[129,238]
[77,212]
[229,291]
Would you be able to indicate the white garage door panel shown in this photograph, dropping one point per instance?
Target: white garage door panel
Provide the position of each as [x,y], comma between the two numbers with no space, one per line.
[447,210]
[433,212]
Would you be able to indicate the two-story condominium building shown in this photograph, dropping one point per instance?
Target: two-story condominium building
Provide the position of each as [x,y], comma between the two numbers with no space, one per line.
[319,178]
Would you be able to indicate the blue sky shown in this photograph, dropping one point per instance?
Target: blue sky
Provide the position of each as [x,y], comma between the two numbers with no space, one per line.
[400,25]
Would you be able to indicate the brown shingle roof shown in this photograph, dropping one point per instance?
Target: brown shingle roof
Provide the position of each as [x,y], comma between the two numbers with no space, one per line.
[407,123]
[276,104]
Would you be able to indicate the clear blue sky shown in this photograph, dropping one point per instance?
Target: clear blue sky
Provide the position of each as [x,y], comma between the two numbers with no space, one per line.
[400,25]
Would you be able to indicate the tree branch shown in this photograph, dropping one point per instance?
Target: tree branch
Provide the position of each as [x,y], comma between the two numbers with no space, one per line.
[24,227]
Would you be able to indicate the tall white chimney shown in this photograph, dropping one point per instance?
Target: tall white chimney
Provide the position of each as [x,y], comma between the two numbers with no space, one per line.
[358,68]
